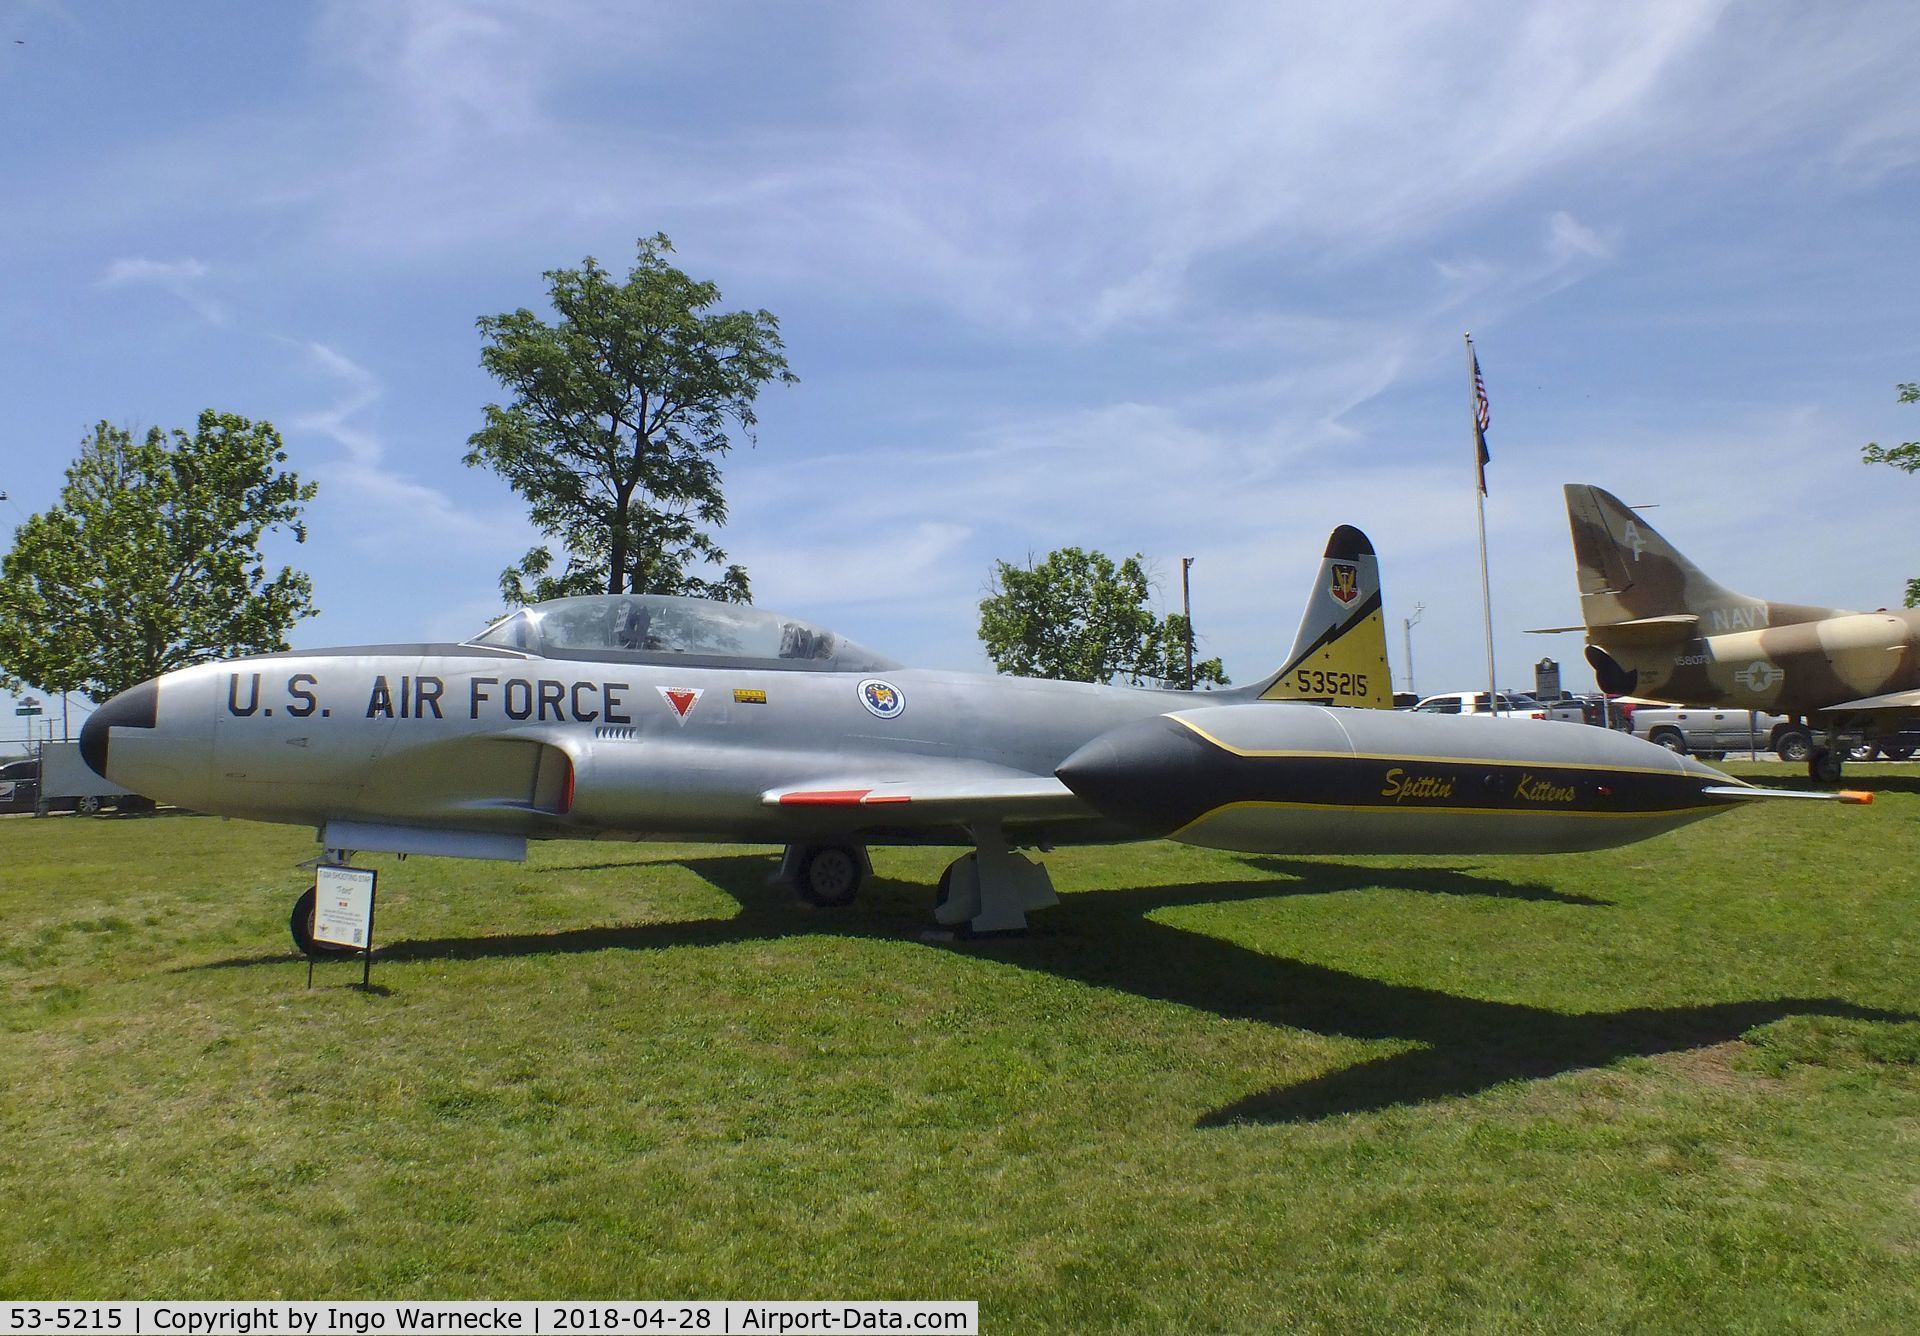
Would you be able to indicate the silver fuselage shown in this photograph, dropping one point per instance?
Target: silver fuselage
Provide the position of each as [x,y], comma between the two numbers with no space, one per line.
[498,744]
[485,740]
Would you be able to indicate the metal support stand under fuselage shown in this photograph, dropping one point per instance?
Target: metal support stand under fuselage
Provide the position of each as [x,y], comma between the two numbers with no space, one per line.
[991,889]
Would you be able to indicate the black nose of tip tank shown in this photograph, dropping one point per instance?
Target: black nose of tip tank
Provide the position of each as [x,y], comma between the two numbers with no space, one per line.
[136,707]
[1138,773]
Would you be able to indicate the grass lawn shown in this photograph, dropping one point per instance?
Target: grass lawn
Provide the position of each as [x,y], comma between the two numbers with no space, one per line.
[1674,1086]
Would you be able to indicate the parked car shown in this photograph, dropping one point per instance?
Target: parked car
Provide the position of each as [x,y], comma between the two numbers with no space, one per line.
[1694,730]
[19,786]
[1593,709]
[1515,703]
[1898,746]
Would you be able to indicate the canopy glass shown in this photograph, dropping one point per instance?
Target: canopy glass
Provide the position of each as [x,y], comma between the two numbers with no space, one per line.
[661,626]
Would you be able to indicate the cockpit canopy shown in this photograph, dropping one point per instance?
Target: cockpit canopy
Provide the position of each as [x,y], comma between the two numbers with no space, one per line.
[667,629]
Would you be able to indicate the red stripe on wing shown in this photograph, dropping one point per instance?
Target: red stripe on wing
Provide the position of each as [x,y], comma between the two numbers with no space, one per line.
[840,798]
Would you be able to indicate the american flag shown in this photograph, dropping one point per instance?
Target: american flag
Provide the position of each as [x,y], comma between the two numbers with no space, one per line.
[1482,416]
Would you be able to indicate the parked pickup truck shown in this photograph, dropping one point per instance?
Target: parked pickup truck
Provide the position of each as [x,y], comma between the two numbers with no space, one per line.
[67,783]
[1694,730]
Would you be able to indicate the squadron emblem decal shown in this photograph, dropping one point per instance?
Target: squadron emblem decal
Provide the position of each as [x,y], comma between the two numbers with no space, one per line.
[882,699]
[1345,585]
[681,700]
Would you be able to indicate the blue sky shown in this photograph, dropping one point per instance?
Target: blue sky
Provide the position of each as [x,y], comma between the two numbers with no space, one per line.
[1182,280]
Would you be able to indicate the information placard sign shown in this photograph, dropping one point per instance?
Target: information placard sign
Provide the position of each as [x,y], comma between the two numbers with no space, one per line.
[343,906]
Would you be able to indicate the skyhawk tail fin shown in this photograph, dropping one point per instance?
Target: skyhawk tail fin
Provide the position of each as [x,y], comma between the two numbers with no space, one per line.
[1629,573]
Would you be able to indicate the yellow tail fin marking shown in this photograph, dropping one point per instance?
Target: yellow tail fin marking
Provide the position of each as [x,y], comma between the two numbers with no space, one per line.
[1339,656]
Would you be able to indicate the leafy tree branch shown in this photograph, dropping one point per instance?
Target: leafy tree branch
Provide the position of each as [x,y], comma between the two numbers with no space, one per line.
[151,561]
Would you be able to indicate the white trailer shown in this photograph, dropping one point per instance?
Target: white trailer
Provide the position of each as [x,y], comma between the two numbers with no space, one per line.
[68,781]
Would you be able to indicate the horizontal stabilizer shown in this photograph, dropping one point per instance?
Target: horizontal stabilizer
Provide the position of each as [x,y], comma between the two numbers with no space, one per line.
[1649,630]
[1554,630]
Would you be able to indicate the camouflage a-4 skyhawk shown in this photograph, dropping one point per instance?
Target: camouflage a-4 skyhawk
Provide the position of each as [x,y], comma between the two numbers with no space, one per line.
[653,718]
[1657,626]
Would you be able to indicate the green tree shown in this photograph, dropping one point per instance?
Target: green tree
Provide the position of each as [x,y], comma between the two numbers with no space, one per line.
[152,560]
[1906,458]
[1077,616]
[620,411]
[1173,637]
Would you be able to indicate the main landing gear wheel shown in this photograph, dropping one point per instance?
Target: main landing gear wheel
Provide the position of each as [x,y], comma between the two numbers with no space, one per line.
[830,876]
[1825,764]
[300,924]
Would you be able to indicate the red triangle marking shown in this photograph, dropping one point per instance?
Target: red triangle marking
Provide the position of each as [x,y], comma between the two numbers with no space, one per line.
[681,699]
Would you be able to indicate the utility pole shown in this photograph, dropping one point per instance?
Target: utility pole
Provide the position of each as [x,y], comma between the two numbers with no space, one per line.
[1406,628]
[1186,611]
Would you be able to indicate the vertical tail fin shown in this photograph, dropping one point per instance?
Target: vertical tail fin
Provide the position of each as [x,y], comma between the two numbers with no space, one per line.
[1339,656]
[1628,572]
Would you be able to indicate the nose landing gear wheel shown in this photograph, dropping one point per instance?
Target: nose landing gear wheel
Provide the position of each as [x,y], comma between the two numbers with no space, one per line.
[300,923]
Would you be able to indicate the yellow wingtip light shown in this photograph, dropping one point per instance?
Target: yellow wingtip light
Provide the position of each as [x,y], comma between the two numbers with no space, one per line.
[1855,796]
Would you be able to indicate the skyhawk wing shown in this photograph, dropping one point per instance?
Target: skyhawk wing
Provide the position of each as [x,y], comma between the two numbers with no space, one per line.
[1893,703]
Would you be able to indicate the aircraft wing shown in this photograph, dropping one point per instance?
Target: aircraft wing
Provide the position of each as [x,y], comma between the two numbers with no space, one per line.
[1893,703]
[1018,798]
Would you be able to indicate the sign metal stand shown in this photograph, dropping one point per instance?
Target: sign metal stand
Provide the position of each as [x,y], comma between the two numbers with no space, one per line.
[343,913]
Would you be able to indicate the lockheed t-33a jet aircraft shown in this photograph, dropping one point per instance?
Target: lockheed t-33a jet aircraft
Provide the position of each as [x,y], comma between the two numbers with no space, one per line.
[652,717]
[1657,626]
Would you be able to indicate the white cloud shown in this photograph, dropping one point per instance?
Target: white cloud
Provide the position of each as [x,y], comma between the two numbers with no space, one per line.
[1569,239]
[181,278]
[1063,168]
[1245,236]
[869,564]
[393,510]
[163,272]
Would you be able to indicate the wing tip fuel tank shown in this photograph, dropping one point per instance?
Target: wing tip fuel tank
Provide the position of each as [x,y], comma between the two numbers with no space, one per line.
[1266,779]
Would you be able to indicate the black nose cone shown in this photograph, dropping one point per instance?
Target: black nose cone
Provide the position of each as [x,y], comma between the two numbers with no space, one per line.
[136,707]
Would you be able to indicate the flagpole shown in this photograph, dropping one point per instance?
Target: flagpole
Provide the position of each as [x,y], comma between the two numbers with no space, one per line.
[1480,511]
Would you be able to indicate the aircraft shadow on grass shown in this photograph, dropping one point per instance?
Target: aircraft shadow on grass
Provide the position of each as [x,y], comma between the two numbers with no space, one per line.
[1107,939]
